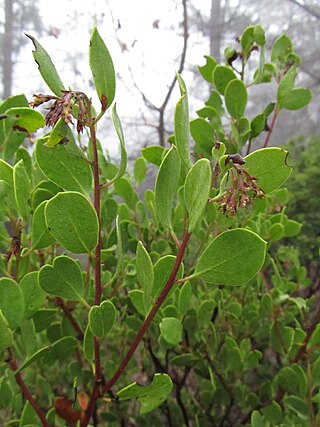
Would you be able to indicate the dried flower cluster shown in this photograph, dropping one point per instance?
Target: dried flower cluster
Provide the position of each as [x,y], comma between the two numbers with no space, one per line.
[241,189]
[71,105]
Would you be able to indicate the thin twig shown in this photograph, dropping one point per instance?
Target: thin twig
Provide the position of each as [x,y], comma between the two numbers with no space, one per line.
[25,391]
[145,325]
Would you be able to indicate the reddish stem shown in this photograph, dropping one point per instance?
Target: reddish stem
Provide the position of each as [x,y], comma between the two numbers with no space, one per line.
[273,121]
[72,320]
[151,315]
[25,391]
[97,275]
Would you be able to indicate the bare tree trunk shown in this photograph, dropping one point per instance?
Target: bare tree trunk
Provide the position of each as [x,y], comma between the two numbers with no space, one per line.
[7,66]
[215,29]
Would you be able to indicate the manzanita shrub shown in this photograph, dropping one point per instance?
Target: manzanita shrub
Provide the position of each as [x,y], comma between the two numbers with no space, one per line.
[179,308]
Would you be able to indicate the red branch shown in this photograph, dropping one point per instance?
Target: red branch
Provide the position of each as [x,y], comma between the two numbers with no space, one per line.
[151,315]
[25,391]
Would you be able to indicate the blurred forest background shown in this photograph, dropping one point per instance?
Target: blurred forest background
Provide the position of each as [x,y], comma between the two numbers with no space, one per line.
[149,42]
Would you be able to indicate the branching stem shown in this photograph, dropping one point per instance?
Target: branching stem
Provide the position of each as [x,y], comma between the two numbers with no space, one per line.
[151,315]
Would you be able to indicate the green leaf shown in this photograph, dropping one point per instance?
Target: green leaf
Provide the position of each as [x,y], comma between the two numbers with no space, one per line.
[184,299]
[281,47]
[257,419]
[150,396]
[166,186]
[232,258]
[222,75]
[297,98]
[247,39]
[102,69]
[205,312]
[6,336]
[207,69]
[7,200]
[273,413]
[46,67]
[62,279]
[258,125]
[101,318]
[181,125]
[29,417]
[171,330]
[58,133]
[203,134]
[34,297]
[23,119]
[40,236]
[22,189]
[297,405]
[61,350]
[11,302]
[138,300]
[269,166]
[153,154]
[140,169]
[183,360]
[88,344]
[162,271]
[72,220]
[65,165]
[123,153]
[292,228]
[236,98]
[315,373]
[39,354]
[124,189]
[196,191]
[285,87]
[259,35]
[145,272]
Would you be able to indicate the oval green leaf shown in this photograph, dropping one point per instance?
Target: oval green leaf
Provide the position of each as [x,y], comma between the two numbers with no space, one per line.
[166,186]
[11,302]
[269,166]
[123,153]
[58,133]
[62,279]
[222,75]
[171,330]
[196,191]
[72,220]
[297,98]
[23,119]
[6,336]
[236,98]
[65,165]
[102,70]
[22,189]
[207,70]
[46,67]
[40,235]
[101,318]
[181,124]
[144,269]
[232,258]
[150,396]
[34,297]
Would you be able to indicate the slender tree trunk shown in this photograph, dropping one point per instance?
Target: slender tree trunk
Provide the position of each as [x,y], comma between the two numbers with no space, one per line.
[7,66]
[216,28]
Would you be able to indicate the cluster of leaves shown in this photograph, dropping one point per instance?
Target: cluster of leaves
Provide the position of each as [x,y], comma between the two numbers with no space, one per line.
[83,280]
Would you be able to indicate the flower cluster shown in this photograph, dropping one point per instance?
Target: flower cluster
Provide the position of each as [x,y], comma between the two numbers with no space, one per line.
[241,189]
[71,105]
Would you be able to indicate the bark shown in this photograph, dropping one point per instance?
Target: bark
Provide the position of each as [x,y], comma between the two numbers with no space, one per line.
[7,66]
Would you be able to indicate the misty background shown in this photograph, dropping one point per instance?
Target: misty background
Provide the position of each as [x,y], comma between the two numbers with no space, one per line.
[149,41]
